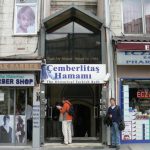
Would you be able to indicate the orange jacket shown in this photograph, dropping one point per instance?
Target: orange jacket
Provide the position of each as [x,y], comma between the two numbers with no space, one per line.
[64,111]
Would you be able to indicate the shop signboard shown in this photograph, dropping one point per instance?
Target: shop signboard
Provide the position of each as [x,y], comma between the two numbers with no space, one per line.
[73,73]
[16,80]
[133,58]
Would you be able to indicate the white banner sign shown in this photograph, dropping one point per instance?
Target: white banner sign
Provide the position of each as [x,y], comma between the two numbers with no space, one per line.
[73,73]
[133,58]
[16,80]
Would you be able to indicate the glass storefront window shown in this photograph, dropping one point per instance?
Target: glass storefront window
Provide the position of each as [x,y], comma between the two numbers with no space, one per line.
[13,104]
[6,101]
[135,100]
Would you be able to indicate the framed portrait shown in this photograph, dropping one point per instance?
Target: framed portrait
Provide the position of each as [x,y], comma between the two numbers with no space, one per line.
[25,18]
[6,129]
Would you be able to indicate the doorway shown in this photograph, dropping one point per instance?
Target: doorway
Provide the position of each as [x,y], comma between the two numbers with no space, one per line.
[81,123]
[85,102]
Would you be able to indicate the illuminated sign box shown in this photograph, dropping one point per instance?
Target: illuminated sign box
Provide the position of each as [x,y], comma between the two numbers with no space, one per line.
[73,73]
[143,94]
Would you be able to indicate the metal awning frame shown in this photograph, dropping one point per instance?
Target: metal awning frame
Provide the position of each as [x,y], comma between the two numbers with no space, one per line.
[72,14]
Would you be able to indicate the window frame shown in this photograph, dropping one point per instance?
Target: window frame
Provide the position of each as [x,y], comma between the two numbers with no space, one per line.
[143,21]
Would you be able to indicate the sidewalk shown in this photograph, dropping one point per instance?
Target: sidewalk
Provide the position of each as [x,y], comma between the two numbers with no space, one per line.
[77,146]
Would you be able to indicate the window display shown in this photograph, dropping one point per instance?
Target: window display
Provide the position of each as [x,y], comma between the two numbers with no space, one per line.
[13,114]
[135,100]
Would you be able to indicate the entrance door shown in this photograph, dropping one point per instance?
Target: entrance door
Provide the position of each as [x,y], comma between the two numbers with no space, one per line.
[82,123]
[84,99]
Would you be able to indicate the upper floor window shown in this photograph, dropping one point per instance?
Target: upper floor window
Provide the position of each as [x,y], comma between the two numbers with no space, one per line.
[136,16]
[73,44]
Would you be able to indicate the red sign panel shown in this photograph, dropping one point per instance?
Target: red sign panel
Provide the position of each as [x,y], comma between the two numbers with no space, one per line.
[133,46]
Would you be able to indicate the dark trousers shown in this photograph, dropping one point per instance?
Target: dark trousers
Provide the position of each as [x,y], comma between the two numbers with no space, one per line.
[29,129]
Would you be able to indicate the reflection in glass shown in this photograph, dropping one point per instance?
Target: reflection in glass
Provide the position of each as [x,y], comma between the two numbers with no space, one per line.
[73,48]
[20,101]
[132,16]
[6,101]
[147,15]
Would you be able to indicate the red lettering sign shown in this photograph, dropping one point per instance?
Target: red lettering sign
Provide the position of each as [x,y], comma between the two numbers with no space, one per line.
[143,94]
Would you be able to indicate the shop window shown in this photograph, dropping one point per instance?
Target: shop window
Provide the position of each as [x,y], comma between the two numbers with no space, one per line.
[13,104]
[136,16]
[135,101]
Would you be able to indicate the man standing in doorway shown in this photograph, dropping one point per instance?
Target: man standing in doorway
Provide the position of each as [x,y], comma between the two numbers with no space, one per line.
[67,121]
[114,114]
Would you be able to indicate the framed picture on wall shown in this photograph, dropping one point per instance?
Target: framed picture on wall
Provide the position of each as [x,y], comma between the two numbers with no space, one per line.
[25,18]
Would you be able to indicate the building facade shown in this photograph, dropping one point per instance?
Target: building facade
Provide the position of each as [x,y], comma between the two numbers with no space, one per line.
[20,67]
[71,42]
[130,30]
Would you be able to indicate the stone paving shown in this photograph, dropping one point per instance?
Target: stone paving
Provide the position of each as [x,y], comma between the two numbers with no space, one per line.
[77,146]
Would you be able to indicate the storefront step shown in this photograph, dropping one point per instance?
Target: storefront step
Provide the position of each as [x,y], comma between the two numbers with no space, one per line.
[74,145]
[74,139]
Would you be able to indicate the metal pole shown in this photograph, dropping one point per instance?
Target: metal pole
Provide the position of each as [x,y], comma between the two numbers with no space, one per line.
[36,117]
[109,57]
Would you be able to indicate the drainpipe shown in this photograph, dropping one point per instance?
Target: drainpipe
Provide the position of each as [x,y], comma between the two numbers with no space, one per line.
[45,12]
[110,59]
[100,14]
[42,86]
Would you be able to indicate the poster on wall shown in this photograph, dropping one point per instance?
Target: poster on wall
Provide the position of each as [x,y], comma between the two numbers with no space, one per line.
[25,21]
[136,110]
[6,129]
[127,133]
[20,129]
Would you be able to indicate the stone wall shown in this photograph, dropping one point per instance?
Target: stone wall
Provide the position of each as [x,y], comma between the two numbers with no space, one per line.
[116,17]
[11,44]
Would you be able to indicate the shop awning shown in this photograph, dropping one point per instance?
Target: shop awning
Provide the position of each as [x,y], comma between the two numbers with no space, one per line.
[72,13]
[131,43]
[34,65]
